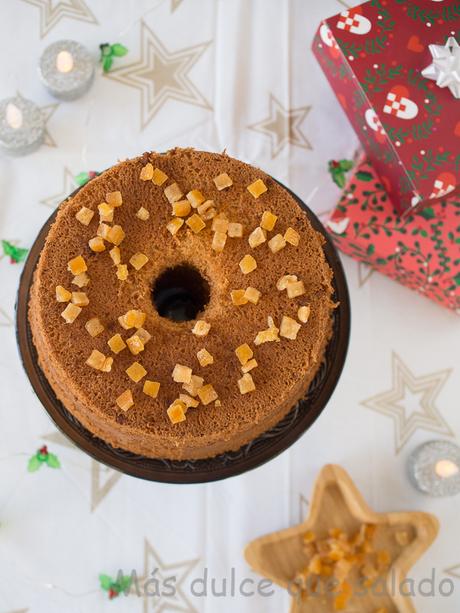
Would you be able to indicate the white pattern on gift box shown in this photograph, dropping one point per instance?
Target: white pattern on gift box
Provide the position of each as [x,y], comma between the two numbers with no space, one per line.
[443,185]
[354,23]
[399,104]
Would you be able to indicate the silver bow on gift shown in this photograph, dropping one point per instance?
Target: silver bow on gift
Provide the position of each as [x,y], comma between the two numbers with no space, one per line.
[445,69]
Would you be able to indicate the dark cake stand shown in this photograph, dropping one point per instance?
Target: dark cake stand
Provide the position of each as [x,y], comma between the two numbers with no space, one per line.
[262,449]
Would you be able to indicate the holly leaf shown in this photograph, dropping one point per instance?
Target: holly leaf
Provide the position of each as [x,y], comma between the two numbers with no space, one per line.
[107,63]
[34,464]
[105,581]
[364,175]
[124,583]
[52,461]
[427,213]
[81,178]
[339,179]
[17,254]
[346,165]
[119,50]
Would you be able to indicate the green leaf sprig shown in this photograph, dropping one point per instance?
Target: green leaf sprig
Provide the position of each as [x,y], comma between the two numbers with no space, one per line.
[43,456]
[114,587]
[16,254]
[83,177]
[109,52]
[338,170]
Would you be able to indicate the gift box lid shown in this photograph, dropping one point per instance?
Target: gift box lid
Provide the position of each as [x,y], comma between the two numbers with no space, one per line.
[386,44]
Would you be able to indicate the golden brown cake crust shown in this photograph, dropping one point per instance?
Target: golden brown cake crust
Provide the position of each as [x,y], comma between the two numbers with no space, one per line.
[285,368]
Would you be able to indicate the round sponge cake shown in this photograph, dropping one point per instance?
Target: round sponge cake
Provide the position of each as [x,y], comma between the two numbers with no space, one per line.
[171,260]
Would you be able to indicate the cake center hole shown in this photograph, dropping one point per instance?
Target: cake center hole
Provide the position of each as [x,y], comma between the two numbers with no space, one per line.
[180,293]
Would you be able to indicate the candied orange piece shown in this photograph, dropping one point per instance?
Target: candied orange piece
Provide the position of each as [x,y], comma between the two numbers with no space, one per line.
[195,223]
[181,208]
[94,327]
[238,297]
[247,264]
[276,243]
[222,181]
[143,214]
[244,353]
[174,225]
[176,412]
[249,366]
[81,280]
[115,254]
[292,237]
[289,328]
[195,197]
[235,230]
[268,221]
[303,314]
[220,224]
[62,295]
[159,177]
[114,199]
[96,359]
[267,336]
[284,281]
[96,244]
[207,394]
[71,312]
[257,188]
[138,260]
[182,374]
[257,237]
[125,401]
[136,372]
[132,319]
[207,210]
[201,328]
[116,343]
[135,345]
[143,335]
[85,215]
[252,295]
[146,173]
[80,299]
[103,231]
[218,241]
[246,384]
[105,212]
[77,265]
[151,388]
[173,193]
[189,401]
[116,235]
[194,385]
[295,289]
[204,357]
[122,272]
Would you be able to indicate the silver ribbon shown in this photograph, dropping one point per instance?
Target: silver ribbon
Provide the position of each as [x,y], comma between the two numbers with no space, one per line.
[445,68]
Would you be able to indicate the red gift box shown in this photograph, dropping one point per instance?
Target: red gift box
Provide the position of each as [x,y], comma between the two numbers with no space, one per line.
[373,56]
[420,250]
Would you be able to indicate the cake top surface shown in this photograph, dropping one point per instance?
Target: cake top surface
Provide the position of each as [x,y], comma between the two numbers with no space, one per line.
[198,237]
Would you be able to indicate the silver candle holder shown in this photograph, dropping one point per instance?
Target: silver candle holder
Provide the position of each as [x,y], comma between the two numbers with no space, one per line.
[66,69]
[22,126]
[434,468]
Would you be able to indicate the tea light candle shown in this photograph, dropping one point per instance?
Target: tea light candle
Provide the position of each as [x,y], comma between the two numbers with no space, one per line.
[434,468]
[67,69]
[22,126]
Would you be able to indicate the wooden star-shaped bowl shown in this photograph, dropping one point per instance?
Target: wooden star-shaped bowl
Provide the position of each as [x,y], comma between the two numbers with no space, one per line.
[337,503]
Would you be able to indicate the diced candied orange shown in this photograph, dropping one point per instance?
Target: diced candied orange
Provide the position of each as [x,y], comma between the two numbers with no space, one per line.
[143,214]
[218,241]
[159,177]
[136,372]
[276,243]
[207,394]
[220,224]
[96,359]
[217,403]
[252,295]
[122,272]
[244,353]
[246,384]
[284,281]
[247,264]
[189,401]
[103,230]
[295,289]
[181,208]
[235,230]
[62,295]
[195,223]
[135,345]
[173,193]
[71,312]
[292,237]
[107,366]
[132,319]
[195,197]
[96,244]
[116,343]
[81,280]
[146,173]
[125,401]
[77,265]
[201,328]
[207,210]
[250,364]
[289,328]
[315,565]
[257,188]
[175,225]
[204,357]
[80,299]
[138,260]
[105,212]
[238,297]
[222,181]
[194,385]
[115,254]
[85,215]
[176,412]
[151,388]
[266,336]
[303,314]
[143,335]
[114,198]
[116,235]
[257,237]
[268,221]
[94,327]
[182,374]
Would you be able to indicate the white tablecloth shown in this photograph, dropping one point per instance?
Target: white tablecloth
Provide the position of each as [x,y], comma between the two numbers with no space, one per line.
[227,74]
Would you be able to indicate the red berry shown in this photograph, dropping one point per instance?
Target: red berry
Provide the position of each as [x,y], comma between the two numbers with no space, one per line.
[112,593]
[91,174]
[43,450]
